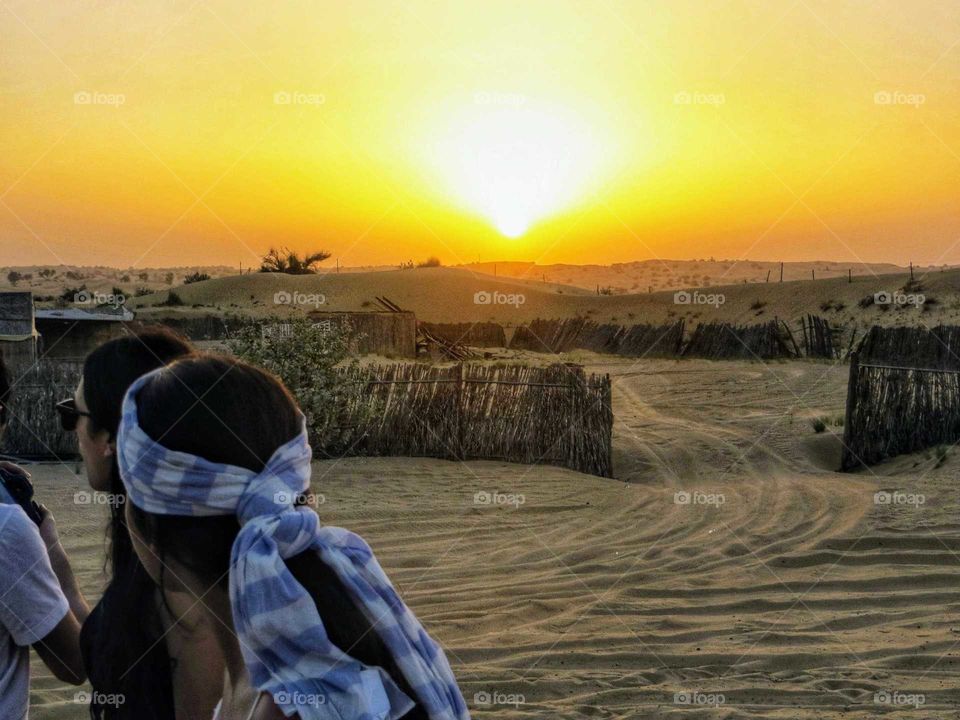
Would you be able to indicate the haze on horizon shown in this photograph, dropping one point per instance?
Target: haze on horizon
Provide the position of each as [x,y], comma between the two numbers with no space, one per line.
[191,133]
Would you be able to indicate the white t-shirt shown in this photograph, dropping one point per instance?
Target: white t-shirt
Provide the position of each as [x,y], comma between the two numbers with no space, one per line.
[31,606]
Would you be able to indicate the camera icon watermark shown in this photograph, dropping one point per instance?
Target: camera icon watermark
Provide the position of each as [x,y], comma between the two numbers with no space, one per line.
[696,697]
[685,97]
[900,298]
[898,497]
[293,97]
[495,498]
[284,698]
[84,497]
[900,699]
[698,497]
[486,297]
[288,498]
[490,698]
[895,97]
[283,297]
[85,97]
[99,699]
[684,297]
[92,297]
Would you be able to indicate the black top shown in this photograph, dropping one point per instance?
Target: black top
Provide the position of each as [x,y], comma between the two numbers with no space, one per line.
[124,652]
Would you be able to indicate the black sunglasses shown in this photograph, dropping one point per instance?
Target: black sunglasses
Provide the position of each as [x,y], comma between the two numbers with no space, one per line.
[69,415]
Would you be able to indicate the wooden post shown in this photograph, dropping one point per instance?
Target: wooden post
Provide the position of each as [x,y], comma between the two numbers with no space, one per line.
[848,461]
[911,269]
[813,274]
[768,276]
[781,272]
[849,275]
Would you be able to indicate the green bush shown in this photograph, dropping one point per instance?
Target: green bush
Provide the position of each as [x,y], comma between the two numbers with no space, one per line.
[305,356]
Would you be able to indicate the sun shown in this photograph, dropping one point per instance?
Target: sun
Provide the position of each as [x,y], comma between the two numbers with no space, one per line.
[516,165]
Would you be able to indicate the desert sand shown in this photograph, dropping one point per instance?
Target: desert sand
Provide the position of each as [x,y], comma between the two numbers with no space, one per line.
[449,295]
[797,596]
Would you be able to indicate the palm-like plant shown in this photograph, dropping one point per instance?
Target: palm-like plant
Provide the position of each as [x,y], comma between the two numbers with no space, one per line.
[290,262]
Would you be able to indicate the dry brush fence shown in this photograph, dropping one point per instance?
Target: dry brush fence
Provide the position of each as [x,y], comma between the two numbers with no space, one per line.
[34,429]
[903,394]
[555,415]
[721,341]
[483,334]
[557,336]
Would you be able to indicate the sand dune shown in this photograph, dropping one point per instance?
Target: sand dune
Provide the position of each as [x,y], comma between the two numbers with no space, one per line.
[797,597]
[448,295]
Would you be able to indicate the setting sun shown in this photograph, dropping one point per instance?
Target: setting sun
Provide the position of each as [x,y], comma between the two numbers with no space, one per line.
[515,163]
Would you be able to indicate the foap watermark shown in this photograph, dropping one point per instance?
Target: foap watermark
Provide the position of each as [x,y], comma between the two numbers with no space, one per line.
[483,497]
[685,97]
[484,97]
[85,97]
[288,497]
[484,297]
[899,699]
[489,698]
[898,297]
[698,497]
[896,97]
[696,697]
[898,497]
[83,497]
[298,298]
[683,297]
[99,699]
[275,331]
[92,297]
[299,699]
[295,97]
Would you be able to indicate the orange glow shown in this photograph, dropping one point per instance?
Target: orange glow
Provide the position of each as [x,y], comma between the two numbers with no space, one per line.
[179,133]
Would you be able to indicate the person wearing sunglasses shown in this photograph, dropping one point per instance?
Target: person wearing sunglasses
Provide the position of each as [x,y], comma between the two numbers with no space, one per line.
[155,652]
[41,605]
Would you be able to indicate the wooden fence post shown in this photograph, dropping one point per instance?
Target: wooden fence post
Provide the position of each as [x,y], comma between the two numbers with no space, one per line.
[848,458]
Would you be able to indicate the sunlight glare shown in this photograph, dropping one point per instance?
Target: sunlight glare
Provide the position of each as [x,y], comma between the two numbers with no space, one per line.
[517,165]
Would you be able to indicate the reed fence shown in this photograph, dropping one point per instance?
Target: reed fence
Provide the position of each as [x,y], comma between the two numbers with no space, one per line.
[820,338]
[483,334]
[557,336]
[34,428]
[555,415]
[720,341]
[903,393]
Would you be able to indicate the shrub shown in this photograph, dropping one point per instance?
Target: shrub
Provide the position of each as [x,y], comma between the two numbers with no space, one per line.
[818,425]
[195,278]
[291,263]
[305,357]
[173,300]
[431,261]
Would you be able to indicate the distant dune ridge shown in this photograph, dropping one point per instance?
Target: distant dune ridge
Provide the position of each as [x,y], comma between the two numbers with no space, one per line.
[461,295]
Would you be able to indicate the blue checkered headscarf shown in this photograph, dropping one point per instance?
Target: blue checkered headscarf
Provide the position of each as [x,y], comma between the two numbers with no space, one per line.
[283,640]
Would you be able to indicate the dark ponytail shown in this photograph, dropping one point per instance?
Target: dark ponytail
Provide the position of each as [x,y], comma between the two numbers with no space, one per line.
[122,640]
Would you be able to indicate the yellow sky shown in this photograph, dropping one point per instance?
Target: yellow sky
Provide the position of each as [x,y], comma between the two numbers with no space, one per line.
[199,132]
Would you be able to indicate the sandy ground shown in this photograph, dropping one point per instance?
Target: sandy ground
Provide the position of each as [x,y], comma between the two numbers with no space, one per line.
[770,586]
[451,295]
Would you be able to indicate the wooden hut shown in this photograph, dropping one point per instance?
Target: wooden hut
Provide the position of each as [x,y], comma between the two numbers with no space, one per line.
[71,333]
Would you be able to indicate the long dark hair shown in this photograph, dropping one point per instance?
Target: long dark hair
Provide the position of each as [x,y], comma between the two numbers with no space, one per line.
[4,391]
[122,640]
[230,412]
